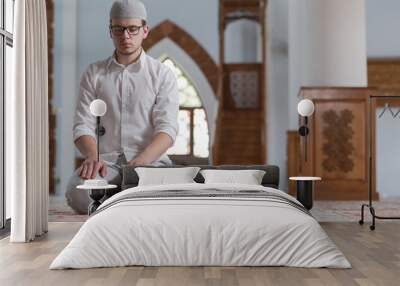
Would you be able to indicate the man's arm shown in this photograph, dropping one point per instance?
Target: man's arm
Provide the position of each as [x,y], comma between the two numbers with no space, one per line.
[165,121]
[87,146]
[90,167]
[158,146]
[84,129]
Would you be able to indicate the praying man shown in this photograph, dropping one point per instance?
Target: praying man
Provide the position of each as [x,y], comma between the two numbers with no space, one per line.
[142,106]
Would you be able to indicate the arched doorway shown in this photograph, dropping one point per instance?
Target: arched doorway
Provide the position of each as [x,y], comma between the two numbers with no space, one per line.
[192,143]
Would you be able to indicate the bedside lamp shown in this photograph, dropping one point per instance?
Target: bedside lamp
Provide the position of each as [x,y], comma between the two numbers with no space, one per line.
[305,185]
[305,108]
[98,108]
[97,187]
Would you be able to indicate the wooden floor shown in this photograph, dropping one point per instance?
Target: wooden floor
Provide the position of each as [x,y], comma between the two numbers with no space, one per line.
[375,257]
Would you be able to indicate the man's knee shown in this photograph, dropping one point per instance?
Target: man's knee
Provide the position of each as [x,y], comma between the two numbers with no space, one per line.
[77,199]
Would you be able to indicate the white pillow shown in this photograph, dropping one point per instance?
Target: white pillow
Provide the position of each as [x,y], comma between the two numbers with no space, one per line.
[163,176]
[249,177]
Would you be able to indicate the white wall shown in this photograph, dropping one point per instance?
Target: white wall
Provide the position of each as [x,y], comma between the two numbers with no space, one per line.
[383,23]
[382,42]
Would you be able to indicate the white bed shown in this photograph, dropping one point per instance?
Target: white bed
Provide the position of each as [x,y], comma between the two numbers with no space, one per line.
[185,230]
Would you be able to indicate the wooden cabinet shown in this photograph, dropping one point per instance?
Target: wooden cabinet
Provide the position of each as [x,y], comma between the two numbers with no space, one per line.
[339,142]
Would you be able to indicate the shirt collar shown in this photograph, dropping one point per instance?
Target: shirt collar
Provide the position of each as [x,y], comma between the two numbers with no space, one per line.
[136,66]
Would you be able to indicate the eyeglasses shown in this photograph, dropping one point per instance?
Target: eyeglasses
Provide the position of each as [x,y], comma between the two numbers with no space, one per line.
[118,30]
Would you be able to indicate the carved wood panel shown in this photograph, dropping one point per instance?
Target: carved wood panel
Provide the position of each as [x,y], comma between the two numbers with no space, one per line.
[341,150]
[338,148]
[242,86]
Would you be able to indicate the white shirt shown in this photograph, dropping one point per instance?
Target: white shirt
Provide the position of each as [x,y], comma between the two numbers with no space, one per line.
[142,100]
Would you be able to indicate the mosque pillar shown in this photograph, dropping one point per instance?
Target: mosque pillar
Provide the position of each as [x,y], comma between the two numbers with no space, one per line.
[327,46]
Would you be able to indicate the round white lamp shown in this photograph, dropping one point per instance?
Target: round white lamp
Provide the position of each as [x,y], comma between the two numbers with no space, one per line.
[305,108]
[98,107]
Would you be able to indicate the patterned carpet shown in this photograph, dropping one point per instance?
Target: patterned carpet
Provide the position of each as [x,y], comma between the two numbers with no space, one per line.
[59,211]
[349,211]
[323,211]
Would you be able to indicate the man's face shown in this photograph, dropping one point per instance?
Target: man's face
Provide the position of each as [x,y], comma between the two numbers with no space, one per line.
[128,42]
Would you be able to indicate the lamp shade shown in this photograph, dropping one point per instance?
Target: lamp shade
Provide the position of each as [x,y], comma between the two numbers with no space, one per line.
[98,107]
[305,107]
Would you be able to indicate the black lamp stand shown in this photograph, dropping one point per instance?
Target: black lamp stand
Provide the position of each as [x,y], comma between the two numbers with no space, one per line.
[98,135]
[303,132]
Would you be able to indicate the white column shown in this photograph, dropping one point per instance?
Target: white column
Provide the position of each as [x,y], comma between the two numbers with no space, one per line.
[327,46]
[277,85]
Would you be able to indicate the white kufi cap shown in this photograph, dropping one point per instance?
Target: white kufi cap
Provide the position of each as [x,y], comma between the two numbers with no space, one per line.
[126,9]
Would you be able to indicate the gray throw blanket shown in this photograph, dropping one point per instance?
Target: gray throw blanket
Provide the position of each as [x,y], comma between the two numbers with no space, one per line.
[205,194]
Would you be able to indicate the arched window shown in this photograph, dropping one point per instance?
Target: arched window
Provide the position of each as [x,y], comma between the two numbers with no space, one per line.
[193,137]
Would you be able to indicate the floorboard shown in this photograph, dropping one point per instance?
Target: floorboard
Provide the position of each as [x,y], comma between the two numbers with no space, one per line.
[375,257]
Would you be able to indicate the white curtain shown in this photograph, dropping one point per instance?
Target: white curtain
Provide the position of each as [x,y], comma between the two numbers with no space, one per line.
[27,124]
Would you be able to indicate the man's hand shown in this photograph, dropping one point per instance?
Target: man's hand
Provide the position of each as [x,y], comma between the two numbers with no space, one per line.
[140,160]
[90,167]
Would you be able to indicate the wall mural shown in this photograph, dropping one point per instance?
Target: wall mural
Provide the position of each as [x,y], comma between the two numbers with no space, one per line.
[339,148]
